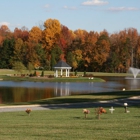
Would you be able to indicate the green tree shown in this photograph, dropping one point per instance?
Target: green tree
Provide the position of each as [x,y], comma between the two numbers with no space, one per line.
[18,50]
[55,55]
[19,66]
[6,53]
[30,66]
[70,58]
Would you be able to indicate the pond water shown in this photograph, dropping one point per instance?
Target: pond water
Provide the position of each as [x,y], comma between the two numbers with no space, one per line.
[16,92]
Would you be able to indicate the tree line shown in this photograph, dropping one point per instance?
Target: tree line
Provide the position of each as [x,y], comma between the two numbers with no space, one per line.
[42,47]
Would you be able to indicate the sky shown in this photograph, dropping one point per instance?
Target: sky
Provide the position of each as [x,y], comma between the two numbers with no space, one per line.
[90,15]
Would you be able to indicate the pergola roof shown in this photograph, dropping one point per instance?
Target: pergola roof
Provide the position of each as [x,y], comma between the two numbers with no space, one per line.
[61,65]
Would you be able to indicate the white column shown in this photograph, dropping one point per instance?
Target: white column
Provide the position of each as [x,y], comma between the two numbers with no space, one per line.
[66,73]
[56,73]
[61,72]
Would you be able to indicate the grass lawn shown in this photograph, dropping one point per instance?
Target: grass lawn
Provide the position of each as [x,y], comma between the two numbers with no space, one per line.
[45,79]
[11,72]
[7,74]
[12,75]
[70,124]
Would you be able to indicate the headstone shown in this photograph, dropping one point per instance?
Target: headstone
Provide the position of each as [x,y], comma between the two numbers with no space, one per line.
[111,110]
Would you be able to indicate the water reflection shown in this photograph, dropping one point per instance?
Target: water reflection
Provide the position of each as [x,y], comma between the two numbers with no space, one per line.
[19,94]
[61,89]
[29,91]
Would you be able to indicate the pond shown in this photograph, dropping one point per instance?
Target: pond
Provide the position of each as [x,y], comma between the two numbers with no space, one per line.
[16,92]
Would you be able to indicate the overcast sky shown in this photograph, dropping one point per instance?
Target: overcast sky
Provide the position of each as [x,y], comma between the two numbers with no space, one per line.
[89,15]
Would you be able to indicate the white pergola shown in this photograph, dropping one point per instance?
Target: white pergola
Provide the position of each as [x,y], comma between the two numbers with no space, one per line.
[61,66]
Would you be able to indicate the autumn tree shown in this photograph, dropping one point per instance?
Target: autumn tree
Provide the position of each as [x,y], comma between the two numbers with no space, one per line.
[101,51]
[84,51]
[66,38]
[113,61]
[77,57]
[138,53]
[76,48]
[125,52]
[17,33]
[120,53]
[51,33]
[31,55]
[1,39]
[22,33]
[88,50]
[132,34]
[5,33]
[80,35]
[34,47]
[4,30]
[25,33]
[35,35]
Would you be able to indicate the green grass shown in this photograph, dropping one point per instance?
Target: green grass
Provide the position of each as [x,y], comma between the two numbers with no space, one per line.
[45,79]
[7,74]
[12,72]
[70,124]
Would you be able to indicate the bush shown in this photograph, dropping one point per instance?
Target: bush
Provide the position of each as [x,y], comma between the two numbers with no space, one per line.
[51,76]
[88,75]
[42,74]
[76,73]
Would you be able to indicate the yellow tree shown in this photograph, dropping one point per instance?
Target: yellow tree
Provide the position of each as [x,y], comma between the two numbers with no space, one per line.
[74,64]
[77,54]
[88,50]
[80,35]
[35,35]
[78,46]
[101,51]
[51,33]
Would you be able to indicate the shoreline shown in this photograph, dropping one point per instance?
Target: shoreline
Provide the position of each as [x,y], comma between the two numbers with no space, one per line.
[132,101]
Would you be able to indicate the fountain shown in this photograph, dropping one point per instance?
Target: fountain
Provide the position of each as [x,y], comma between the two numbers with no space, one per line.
[134,72]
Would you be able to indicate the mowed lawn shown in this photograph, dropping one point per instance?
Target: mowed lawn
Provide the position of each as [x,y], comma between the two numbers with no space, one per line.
[70,124]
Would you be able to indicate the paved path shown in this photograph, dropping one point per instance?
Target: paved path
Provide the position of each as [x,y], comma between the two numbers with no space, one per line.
[115,103]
